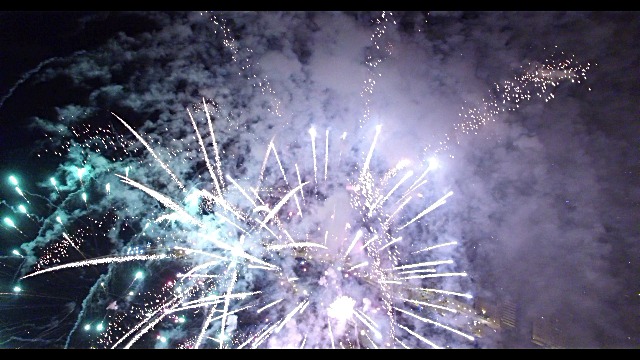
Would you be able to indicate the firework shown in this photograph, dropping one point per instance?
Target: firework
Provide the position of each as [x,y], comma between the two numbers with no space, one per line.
[325,248]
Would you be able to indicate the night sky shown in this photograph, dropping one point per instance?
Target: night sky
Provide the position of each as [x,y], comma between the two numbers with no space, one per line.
[531,117]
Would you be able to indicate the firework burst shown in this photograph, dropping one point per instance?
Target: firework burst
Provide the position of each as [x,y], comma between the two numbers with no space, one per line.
[238,259]
[325,247]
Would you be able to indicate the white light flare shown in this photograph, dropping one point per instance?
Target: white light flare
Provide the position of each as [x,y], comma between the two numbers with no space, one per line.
[341,308]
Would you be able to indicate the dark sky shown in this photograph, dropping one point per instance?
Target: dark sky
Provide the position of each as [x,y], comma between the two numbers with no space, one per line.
[532,117]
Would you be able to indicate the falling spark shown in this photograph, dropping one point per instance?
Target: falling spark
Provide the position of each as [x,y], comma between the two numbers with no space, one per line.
[106,260]
[390,243]
[326,153]
[312,132]
[434,206]
[353,243]
[268,305]
[373,145]
[469,337]
[436,246]
[164,166]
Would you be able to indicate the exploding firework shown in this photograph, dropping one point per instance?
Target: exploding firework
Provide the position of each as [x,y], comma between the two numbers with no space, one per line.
[236,260]
[325,247]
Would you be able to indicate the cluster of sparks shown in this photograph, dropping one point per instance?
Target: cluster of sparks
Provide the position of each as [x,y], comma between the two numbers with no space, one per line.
[247,263]
[242,57]
[535,80]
